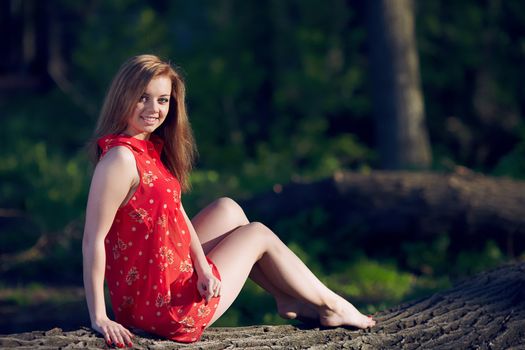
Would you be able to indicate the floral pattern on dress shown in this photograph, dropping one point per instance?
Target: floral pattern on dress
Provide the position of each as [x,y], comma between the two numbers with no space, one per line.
[149,177]
[127,301]
[117,248]
[176,197]
[139,215]
[203,311]
[163,221]
[163,300]
[186,266]
[116,252]
[132,275]
[167,254]
[167,258]
[188,323]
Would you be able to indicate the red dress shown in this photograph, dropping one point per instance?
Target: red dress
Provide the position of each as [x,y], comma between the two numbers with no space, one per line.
[149,272]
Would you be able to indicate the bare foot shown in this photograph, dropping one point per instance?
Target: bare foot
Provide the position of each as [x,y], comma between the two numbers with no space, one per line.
[342,313]
[291,309]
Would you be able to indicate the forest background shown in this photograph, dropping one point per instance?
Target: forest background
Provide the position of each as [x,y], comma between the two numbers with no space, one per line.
[278,92]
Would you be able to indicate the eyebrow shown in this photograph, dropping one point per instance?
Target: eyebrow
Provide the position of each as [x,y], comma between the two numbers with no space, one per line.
[145,93]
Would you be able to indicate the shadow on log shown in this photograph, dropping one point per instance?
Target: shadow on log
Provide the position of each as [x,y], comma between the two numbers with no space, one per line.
[484,312]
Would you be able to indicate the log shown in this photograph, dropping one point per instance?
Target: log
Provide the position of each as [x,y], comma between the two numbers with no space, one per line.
[405,204]
[483,312]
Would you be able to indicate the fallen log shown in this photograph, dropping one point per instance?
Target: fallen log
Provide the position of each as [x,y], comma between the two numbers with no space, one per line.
[483,312]
[385,204]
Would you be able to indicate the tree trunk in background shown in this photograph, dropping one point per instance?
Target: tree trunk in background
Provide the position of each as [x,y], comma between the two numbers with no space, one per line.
[402,137]
[23,60]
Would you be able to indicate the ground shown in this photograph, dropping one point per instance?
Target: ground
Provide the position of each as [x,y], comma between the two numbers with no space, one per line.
[484,312]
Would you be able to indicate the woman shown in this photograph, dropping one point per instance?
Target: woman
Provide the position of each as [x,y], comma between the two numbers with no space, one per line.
[166,274]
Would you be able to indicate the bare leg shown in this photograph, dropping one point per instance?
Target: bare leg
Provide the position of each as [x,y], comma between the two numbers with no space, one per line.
[241,249]
[217,221]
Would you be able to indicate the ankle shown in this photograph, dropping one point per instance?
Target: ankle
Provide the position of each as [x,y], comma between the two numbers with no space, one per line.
[329,304]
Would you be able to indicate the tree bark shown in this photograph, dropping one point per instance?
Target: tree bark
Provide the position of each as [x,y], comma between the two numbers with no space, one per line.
[386,204]
[485,312]
[398,107]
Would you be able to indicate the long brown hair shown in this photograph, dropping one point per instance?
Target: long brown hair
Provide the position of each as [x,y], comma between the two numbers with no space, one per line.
[125,90]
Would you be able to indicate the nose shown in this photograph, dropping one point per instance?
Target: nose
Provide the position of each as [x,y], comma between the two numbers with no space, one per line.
[152,106]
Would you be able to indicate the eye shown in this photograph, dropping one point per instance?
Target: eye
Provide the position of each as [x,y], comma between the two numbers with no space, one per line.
[143,98]
[163,100]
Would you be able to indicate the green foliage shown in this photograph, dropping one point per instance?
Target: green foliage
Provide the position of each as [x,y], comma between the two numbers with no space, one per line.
[513,163]
[373,282]
[429,258]
[469,262]
[43,168]
[49,187]
[303,233]
[435,258]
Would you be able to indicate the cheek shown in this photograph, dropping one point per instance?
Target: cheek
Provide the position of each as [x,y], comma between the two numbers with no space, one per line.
[134,114]
[164,111]
[138,108]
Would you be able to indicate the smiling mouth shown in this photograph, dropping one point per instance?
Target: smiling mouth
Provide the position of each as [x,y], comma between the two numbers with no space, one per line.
[150,119]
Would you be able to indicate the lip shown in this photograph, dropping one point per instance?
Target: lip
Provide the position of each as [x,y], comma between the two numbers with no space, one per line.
[149,119]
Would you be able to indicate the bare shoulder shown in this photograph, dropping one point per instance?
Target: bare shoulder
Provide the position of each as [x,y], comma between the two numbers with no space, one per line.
[118,154]
[119,159]
[115,174]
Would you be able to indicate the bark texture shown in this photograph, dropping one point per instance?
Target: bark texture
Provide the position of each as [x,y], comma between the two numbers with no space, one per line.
[386,204]
[485,312]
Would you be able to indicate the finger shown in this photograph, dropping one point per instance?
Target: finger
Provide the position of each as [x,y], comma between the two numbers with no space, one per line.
[126,336]
[118,338]
[107,335]
[127,339]
[130,335]
[107,338]
[200,290]
[203,289]
[204,293]
[112,335]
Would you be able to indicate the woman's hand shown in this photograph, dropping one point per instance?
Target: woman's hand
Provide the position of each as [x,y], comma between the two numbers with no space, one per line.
[113,332]
[208,285]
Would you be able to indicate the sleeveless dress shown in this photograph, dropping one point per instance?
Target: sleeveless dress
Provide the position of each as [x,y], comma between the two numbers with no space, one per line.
[149,271]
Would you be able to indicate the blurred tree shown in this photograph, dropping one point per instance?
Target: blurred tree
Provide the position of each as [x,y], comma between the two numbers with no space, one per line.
[398,101]
[472,54]
[23,25]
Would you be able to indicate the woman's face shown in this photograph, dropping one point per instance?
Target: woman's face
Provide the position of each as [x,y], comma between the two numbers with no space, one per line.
[151,108]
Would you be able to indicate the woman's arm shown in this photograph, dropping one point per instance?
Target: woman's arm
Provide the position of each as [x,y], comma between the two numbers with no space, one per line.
[114,176]
[209,286]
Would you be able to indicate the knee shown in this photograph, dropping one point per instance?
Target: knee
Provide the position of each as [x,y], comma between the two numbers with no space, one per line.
[261,232]
[231,210]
